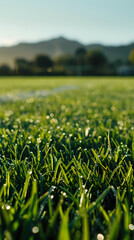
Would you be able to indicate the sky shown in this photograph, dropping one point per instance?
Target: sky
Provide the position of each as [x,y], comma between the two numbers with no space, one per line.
[88,21]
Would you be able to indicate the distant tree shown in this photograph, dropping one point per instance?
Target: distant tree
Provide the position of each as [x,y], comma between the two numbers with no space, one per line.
[65,60]
[23,66]
[80,56]
[5,70]
[65,64]
[115,65]
[80,52]
[97,60]
[43,62]
[131,57]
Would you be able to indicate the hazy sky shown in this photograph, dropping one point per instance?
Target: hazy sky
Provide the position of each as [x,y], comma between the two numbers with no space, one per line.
[105,21]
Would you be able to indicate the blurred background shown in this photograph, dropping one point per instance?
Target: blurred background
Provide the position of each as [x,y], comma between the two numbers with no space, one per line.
[78,38]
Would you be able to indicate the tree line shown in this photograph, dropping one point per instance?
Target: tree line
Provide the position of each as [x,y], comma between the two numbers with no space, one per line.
[81,63]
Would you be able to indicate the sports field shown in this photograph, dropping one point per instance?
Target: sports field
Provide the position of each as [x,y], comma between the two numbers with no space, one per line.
[66,158]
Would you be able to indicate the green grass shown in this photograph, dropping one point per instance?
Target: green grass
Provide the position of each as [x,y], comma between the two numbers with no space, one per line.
[66,161]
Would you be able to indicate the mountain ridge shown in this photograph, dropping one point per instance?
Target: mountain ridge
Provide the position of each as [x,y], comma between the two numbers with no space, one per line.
[60,46]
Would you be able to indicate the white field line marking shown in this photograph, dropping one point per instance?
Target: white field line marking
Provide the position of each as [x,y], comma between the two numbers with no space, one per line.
[35,94]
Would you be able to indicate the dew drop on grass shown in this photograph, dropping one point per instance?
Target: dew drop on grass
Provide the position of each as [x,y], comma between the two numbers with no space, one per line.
[35,229]
[7,207]
[100,237]
[131,227]
[53,187]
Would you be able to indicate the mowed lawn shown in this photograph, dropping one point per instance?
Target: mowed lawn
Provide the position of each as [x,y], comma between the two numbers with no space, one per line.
[66,158]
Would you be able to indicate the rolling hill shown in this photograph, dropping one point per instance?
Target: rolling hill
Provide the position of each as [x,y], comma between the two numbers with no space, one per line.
[57,47]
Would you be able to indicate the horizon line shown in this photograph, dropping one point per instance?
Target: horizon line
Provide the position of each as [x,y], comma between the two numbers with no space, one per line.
[16,43]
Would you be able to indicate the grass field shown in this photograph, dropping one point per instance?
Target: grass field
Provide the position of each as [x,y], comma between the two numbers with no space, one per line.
[66,159]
